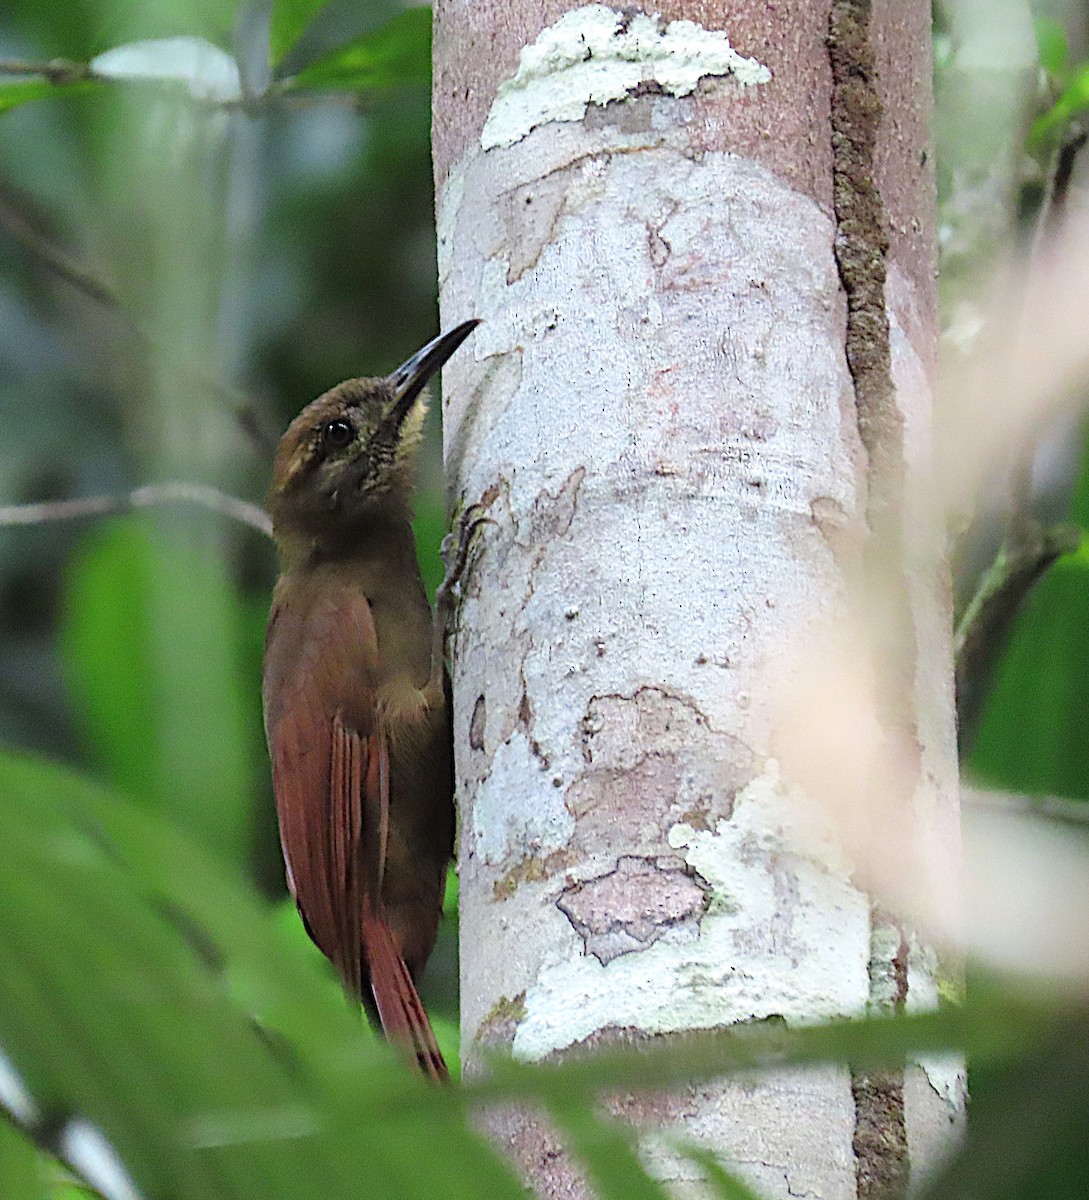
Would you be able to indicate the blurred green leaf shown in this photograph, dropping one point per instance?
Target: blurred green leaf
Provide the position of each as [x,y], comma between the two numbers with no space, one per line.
[290,19]
[17,92]
[993,1033]
[1052,46]
[130,20]
[144,989]
[719,1181]
[121,1002]
[1026,1136]
[396,53]
[430,528]
[151,638]
[1034,737]
[80,29]
[21,1176]
[1074,100]
[607,1151]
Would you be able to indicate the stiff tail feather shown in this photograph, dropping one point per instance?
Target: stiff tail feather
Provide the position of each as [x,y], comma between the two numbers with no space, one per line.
[400,1009]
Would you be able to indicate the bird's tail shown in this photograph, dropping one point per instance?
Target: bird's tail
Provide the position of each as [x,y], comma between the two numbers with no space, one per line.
[404,1020]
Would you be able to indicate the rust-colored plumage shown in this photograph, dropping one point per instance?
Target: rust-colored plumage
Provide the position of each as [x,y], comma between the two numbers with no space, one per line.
[355,700]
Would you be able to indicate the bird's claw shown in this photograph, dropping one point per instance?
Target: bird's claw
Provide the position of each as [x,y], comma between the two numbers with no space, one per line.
[455,551]
[457,545]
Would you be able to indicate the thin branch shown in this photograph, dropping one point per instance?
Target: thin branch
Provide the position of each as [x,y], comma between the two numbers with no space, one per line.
[64,267]
[1054,808]
[1053,208]
[57,70]
[984,628]
[50,256]
[279,93]
[1028,549]
[150,496]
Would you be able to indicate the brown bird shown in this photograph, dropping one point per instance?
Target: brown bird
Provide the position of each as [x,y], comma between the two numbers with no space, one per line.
[356,694]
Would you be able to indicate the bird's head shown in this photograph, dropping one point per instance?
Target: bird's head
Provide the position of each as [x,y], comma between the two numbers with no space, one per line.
[351,453]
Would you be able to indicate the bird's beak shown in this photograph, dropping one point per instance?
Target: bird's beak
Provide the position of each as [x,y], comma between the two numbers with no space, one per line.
[410,378]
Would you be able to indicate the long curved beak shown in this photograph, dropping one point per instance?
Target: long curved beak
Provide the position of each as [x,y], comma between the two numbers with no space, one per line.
[411,377]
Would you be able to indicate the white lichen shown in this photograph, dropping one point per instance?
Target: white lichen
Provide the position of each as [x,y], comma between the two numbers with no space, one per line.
[504,825]
[787,935]
[594,55]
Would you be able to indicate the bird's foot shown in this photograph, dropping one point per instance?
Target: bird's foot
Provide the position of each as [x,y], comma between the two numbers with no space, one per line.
[457,547]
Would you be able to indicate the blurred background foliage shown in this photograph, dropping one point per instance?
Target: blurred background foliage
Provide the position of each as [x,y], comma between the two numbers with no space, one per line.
[183,264]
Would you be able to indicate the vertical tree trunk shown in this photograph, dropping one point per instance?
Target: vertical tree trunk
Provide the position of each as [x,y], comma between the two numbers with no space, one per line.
[706,271]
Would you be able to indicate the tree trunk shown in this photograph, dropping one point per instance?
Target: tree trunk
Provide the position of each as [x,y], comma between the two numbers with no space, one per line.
[706,271]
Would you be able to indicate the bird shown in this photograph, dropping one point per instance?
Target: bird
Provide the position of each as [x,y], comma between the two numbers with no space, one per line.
[356,695]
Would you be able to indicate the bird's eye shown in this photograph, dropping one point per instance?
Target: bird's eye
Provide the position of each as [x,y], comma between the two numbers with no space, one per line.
[337,434]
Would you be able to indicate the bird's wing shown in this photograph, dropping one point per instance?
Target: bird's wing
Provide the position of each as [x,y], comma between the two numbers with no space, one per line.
[330,771]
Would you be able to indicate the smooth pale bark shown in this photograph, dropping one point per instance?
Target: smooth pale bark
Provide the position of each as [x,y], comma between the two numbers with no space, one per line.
[695,410]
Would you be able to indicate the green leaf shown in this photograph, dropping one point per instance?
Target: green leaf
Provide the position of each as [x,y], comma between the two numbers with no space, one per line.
[607,1151]
[1034,737]
[429,528]
[1026,1133]
[147,992]
[1073,101]
[396,53]
[21,1175]
[290,19]
[721,1182]
[1052,46]
[150,639]
[23,90]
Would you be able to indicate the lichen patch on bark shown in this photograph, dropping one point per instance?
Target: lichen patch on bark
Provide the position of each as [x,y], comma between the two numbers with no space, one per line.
[635,904]
[769,943]
[594,55]
[498,1027]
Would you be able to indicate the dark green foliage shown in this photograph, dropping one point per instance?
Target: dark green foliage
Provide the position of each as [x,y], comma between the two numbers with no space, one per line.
[1034,736]
[148,985]
[397,53]
[150,638]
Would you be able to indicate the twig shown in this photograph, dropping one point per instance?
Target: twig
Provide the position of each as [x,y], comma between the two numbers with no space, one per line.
[1053,208]
[1028,549]
[149,496]
[57,70]
[278,94]
[83,280]
[1054,808]
[984,628]
[16,223]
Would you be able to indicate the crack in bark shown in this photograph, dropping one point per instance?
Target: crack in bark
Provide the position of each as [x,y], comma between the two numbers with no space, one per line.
[478,723]
[880,1138]
[861,245]
[861,242]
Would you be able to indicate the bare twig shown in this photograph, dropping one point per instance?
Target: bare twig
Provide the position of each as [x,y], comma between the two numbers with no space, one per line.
[1028,549]
[278,94]
[57,70]
[1053,208]
[13,219]
[1055,808]
[15,222]
[984,628]
[150,496]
